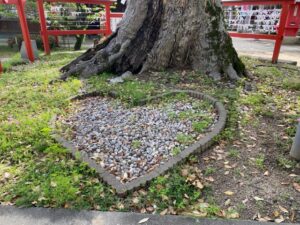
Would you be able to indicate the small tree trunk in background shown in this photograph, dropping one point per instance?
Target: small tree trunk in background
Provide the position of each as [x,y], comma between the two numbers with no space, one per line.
[78,43]
[160,34]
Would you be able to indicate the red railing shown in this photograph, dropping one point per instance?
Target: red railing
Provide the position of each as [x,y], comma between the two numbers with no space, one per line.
[45,32]
[285,4]
[20,4]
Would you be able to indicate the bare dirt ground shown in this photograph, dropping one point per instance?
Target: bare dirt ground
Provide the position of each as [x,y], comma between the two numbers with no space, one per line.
[252,175]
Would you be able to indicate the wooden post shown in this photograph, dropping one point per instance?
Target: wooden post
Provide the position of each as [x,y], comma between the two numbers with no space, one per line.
[108,18]
[25,30]
[280,35]
[44,34]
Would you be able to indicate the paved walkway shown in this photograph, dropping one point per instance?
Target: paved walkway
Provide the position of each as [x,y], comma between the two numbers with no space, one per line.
[264,49]
[38,216]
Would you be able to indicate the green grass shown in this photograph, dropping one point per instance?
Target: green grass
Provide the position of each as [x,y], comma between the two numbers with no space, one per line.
[209,171]
[184,139]
[176,151]
[292,84]
[43,174]
[6,52]
[259,161]
[201,126]
[285,162]
[136,144]
[233,153]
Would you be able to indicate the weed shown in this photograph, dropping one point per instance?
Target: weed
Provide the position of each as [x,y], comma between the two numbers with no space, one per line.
[172,191]
[201,126]
[176,151]
[184,139]
[292,84]
[213,210]
[172,115]
[233,153]
[285,163]
[209,171]
[136,144]
[241,207]
[259,161]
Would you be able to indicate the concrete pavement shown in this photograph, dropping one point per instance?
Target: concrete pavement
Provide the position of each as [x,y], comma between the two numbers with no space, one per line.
[39,216]
[264,49]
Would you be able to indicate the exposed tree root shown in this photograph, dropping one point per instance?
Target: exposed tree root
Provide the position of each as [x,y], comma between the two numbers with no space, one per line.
[157,35]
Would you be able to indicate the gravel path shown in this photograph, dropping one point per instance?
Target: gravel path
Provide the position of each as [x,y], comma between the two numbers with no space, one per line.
[130,142]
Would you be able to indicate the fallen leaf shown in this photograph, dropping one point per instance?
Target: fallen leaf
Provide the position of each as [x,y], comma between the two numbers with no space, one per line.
[198,214]
[233,215]
[297,187]
[143,211]
[276,213]
[6,175]
[120,206]
[245,201]
[143,192]
[226,173]
[283,209]
[293,175]
[186,196]
[164,212]
[184,172]
[229,193]
[221,213]
[258,198]
[135,200]
[203,206]
[150,209]
[227,203]
[143,220]
[191,177]
[53,184]
[265,219]
[279,220]
[211,179]
[198,184]
[165,198]
[267,173]
[228,167]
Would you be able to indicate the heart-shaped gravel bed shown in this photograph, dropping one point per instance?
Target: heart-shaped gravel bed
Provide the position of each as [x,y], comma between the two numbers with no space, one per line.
[129,143]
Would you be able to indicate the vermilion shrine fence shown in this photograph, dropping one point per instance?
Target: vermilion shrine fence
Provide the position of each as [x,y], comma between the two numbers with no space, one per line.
[20,5]
[289,21]
[45,32]
[288,26]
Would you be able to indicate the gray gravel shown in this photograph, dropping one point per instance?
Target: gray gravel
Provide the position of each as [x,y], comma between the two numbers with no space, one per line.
[130,142]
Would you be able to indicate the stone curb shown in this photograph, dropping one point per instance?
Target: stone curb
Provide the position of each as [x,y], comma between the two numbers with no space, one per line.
[197,147]
[41,216]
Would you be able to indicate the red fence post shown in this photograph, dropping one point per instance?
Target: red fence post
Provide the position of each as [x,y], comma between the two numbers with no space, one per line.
[108,18]
[25,30]
[44,34]
[280,35]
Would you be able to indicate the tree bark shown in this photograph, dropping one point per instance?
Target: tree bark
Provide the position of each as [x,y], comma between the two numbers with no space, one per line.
[161,34]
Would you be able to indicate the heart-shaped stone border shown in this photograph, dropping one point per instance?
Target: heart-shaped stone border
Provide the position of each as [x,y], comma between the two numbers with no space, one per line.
[199,146]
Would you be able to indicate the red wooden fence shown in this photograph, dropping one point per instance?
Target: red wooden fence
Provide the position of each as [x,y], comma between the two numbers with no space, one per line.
[278,38]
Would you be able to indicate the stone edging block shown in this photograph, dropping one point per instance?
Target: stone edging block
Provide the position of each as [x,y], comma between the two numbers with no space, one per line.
[197,147]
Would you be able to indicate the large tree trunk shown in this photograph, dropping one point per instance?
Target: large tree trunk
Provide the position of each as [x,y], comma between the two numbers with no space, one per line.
[161,34]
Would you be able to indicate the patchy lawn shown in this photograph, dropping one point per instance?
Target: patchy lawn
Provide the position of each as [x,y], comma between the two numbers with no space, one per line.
[247,174]
[6,52]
